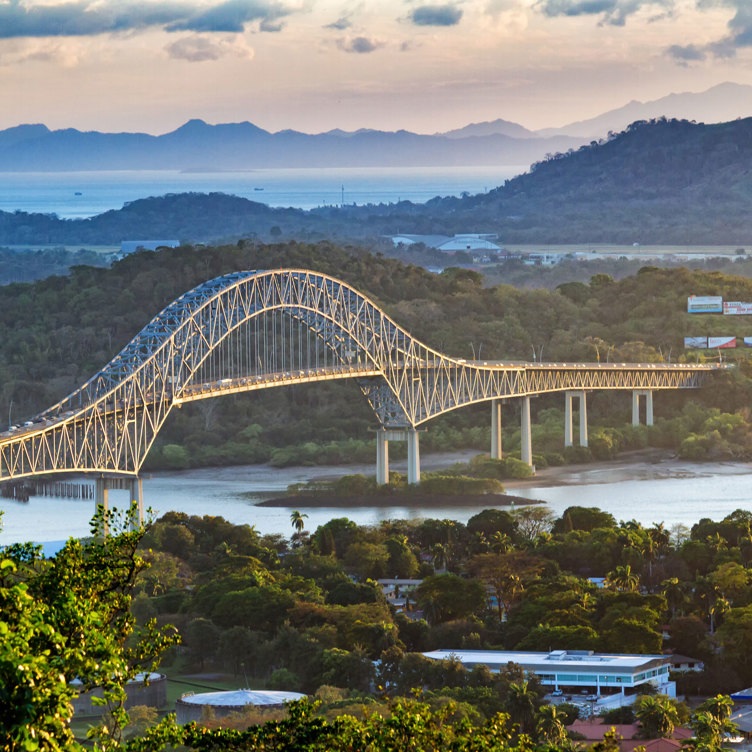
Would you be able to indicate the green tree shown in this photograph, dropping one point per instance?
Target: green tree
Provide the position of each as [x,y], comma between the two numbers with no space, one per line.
[450,596]
[711,724]
[657,715]
[522,703]
[298,521]
[67,617]
[623,578]
[550,727]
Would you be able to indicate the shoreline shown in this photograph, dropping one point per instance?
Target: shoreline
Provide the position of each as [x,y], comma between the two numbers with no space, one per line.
[390,501]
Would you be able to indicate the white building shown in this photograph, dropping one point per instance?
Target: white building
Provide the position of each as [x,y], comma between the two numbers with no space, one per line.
[468,241]
[576,670]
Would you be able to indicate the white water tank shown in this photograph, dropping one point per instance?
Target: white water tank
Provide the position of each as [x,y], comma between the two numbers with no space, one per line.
[190,707]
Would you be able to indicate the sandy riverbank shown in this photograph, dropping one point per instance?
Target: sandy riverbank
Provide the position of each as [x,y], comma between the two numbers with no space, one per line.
[642,464]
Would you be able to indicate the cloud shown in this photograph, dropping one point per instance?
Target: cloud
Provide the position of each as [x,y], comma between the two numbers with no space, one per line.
[436,15]
[739,36]
[340,24]
[62,52]
[91,17]
[613,12]
[200,49]
[688,54]
[271,26]
[229,16]
[361,45]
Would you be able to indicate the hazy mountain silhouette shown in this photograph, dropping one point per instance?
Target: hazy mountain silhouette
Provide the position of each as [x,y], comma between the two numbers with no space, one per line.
[197,145]
[718,104]
[497,127]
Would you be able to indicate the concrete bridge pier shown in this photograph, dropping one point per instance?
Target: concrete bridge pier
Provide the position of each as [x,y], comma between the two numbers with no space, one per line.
[568,428]
[382,457]
[648,395]
[495,429]
[383,437]
[137,498]
[526,446]
[102,487]
[413,456]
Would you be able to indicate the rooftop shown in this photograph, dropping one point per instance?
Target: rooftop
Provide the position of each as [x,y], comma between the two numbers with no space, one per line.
[581,659]
[241,697]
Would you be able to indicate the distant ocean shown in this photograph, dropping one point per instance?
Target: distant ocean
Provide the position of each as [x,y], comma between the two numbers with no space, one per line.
[84,194]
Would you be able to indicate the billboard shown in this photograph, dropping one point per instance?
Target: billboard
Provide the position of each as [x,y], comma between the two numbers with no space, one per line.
[696,342]
[737,309]
[705,304]
[748,342]
[715,342]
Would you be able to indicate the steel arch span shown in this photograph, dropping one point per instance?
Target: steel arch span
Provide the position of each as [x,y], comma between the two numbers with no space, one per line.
[209,342]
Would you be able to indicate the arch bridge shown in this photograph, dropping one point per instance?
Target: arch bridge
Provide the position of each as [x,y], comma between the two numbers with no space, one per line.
[261,329]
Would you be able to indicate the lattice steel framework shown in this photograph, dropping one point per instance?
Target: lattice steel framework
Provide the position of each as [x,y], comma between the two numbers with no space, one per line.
[109,424]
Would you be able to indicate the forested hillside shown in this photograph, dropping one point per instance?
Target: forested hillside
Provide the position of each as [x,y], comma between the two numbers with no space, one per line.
[59,331]
[664,181]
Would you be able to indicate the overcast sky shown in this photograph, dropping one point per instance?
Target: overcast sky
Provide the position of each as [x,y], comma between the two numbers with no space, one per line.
[312,65]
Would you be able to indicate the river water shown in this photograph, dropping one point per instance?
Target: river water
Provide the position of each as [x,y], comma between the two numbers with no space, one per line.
[665,490]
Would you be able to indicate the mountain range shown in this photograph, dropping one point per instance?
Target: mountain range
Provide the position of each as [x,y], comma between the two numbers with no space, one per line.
[198,146]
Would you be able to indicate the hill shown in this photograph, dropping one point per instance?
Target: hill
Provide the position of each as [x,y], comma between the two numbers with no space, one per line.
[662,182]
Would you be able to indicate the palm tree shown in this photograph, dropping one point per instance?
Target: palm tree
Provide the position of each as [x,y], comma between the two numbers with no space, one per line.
[657,715]
[520,704]
[297,521]
[673,592]
[550,727]
[718,608]
[659,534]
[710,723]
[623,578]
[501,542]
[440,556]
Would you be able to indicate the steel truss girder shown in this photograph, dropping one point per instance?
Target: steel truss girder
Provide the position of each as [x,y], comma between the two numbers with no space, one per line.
[109,424]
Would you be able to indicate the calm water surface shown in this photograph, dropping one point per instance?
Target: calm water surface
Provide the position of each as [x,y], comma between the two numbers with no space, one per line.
[668,491]
[84,194]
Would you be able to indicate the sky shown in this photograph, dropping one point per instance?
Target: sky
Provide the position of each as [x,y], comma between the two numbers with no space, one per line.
[313,65]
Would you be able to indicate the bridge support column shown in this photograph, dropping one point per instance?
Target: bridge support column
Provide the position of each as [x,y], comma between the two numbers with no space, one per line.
[569,395]
[413,456]
[495,429]
[526,446]
[382,457]
[137,498]
[102,499]
[583,419]
[636,394]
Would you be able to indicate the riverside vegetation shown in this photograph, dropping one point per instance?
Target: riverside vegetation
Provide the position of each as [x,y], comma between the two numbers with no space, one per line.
[59,331]
[305,614]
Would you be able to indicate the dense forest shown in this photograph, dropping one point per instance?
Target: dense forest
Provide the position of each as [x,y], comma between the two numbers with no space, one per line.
[658,182]
[27,266]
[59,331]
[304,614]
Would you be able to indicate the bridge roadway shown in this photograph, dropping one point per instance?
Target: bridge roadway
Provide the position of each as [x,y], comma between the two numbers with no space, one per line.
[254,330]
